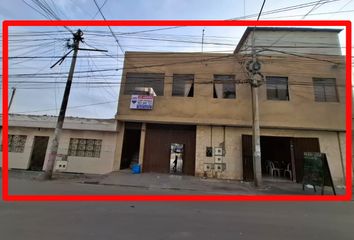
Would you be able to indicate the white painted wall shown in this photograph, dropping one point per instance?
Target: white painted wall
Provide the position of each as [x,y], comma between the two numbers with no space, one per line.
[100,165]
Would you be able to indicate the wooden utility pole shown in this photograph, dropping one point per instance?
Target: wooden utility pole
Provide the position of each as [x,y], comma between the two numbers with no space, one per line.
[11,99]
[55,142]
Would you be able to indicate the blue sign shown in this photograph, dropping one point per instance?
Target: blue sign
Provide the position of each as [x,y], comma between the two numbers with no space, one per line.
[142,102]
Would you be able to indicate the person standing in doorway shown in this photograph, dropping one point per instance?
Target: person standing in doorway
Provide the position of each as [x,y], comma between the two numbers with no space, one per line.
[175,164]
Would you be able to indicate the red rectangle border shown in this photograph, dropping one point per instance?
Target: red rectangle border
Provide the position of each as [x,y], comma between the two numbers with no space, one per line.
[152,23]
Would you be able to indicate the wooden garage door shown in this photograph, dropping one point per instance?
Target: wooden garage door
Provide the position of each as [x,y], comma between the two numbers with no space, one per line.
[158,140]
[302,145]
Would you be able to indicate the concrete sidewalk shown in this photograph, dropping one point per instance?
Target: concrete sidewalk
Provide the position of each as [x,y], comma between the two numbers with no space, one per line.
[176,182]
[205,185]
[194,185]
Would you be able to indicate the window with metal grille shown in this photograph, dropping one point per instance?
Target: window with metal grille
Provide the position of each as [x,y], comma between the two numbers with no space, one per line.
[325,89]
[183,85]
[144,84]
[224,86]
[277,88]
[81,147]
[17,143]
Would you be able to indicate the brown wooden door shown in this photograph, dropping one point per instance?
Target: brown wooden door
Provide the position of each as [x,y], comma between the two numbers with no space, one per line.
[38,153]
[302,145]
[247,158]
[158,140]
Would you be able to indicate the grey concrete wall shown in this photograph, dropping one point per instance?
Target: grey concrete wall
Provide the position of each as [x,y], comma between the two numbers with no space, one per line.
[295,42]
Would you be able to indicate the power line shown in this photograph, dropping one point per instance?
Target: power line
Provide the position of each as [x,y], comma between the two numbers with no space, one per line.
[344,5]
[316,6]
[299,55]
[48,12]
[146,66]
[191,61]
[104,3]
[114,36]
[283,9]
[311,14]
[73,107]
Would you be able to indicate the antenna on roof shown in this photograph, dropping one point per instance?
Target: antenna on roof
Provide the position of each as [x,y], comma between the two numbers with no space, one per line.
[203,39]
[201,56]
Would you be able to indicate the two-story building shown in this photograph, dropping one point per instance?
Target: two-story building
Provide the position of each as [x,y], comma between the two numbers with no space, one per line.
[191,113]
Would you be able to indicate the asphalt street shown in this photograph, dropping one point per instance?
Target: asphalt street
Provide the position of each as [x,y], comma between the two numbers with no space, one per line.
[167,220]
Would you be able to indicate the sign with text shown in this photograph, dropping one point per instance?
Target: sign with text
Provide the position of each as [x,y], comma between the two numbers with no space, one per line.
[316,171]
[142,102]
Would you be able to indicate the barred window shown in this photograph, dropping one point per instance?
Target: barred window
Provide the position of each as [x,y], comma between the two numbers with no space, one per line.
[224,86]
[144,84]
[183,85]
[325,89]
[277,88]
[80,147]
[17,143]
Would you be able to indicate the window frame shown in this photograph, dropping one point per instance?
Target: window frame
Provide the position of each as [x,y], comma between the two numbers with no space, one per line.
[185,80]
[10,143]
[224,82]
[277,88]
[315,82]
[74,152]
[135,82]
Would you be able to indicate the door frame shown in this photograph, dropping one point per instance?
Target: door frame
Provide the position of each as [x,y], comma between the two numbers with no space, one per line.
[32,152]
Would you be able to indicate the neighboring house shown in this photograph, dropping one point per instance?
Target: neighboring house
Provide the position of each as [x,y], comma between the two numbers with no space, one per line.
[202,106]
[85,146]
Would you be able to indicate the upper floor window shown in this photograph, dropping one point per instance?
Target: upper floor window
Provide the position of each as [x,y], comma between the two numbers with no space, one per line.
[81,147]
[325,89]
[183,85]
[144,84]
[17,143]
[277,88]
[224,86]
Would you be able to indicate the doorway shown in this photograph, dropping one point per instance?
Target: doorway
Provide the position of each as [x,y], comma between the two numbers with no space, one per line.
[38,153]
[288,152]
[276,158]
[131,145]
[176,158]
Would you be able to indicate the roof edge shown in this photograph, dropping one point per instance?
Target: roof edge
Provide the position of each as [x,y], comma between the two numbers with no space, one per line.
[291,29]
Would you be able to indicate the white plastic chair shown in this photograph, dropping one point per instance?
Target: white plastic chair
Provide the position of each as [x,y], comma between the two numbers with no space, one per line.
[288,170]
[273,169]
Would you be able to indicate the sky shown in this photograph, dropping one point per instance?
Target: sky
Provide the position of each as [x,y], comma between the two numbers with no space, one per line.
[39,88]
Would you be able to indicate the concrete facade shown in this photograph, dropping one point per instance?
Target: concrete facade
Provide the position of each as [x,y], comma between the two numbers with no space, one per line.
[204,109]
[231,138]
[227,119]
[31,126]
